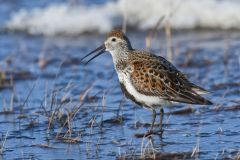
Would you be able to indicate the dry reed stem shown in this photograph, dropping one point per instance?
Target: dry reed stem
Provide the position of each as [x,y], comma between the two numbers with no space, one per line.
[125,17]
[148,150]
[168,32]
[152,33]
[2,147]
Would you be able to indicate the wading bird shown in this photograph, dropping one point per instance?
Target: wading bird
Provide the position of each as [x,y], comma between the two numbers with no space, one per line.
[149,80]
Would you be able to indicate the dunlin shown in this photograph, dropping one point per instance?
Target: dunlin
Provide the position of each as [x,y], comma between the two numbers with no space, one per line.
[149,80]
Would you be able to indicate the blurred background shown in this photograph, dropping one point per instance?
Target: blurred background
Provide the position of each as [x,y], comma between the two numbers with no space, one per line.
[75,17]
[54,107]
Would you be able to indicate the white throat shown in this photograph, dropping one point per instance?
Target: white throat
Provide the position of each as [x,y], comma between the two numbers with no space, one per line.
[118,56]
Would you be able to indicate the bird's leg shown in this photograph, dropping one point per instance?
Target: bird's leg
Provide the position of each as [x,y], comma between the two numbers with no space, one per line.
[161,119]
[154,114]
[149,132]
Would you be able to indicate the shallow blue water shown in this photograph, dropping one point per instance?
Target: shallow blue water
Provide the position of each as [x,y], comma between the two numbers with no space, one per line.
[199,54]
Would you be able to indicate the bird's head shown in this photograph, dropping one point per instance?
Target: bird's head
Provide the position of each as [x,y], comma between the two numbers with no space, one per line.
[116,42]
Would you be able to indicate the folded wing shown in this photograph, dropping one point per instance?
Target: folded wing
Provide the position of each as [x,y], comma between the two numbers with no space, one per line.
[157,77]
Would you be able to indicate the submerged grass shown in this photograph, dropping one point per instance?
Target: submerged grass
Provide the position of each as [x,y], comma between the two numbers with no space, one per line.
[3,141]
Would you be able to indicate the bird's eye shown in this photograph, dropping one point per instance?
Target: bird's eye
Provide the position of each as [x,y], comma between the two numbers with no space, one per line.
[113,39]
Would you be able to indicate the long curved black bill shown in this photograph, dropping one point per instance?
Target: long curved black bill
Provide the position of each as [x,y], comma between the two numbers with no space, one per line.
[101,50]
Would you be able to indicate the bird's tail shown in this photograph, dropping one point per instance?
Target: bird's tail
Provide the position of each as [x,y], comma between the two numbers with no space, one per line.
[199,90]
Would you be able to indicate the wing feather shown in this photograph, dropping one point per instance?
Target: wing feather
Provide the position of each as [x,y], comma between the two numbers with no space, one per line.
[155,76]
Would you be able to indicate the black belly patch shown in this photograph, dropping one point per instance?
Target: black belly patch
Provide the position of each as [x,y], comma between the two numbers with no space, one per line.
[128,95]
